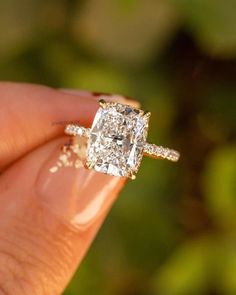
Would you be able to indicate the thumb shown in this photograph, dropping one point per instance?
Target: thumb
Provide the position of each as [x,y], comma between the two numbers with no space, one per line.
[50,212]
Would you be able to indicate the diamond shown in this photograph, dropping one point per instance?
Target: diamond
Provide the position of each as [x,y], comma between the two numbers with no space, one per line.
[160,152]
[117,139]
[77,130]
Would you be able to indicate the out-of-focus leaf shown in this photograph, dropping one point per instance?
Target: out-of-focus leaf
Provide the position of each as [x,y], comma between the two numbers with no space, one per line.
[24,22]
[116,31]
[227,266]
[220,186]
[98,77]
[217,119]
[187,271]
[219,103]
[213,22]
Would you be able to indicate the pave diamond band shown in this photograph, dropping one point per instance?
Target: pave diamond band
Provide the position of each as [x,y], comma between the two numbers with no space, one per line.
[76,130]
[117,140]
[156,151]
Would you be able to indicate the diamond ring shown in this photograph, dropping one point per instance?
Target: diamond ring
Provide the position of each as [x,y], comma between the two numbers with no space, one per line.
[117,140]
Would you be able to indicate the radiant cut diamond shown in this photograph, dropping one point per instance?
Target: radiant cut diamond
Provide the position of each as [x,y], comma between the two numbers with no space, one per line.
[117,139]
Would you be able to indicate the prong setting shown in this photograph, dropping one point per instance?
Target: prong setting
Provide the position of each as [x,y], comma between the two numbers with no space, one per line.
[133,176]
[88,165]
[117,140]
[102,103]
[147,114]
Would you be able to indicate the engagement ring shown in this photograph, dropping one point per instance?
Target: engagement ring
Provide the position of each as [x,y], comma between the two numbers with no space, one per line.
[117,140]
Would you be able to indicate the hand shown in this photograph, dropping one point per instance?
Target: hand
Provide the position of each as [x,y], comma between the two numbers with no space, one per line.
[47,220]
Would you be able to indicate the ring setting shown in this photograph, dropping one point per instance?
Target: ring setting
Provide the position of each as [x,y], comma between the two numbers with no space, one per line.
[117,140]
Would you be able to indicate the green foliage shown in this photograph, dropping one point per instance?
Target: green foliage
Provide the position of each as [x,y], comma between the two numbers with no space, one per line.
[187,272]
[221,198]
[213,22]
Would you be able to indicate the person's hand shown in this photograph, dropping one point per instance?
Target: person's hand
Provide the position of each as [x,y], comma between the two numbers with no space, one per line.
[47,220]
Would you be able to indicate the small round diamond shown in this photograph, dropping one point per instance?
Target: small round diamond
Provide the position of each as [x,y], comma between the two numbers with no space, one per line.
[161,152]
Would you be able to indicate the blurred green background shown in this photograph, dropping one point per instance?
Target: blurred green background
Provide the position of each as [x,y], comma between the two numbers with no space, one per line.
[173,230]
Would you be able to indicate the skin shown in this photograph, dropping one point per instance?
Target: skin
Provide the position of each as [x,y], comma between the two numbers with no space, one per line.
[47,220]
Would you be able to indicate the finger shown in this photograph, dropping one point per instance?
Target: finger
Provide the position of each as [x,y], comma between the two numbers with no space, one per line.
[48,219]
[31,115]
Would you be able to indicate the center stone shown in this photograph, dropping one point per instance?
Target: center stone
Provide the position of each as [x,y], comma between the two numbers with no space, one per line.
[116,140]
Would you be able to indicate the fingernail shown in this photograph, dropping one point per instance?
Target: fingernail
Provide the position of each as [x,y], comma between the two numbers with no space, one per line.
[78,196]
[84,93]
[106,96]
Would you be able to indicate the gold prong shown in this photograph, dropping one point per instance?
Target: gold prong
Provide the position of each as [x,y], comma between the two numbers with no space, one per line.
[132,176]
[147,114]
[102,103]
[88,165]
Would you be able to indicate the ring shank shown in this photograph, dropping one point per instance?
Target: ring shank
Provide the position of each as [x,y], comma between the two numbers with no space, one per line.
[77,130]
[157,152]
[150,150]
